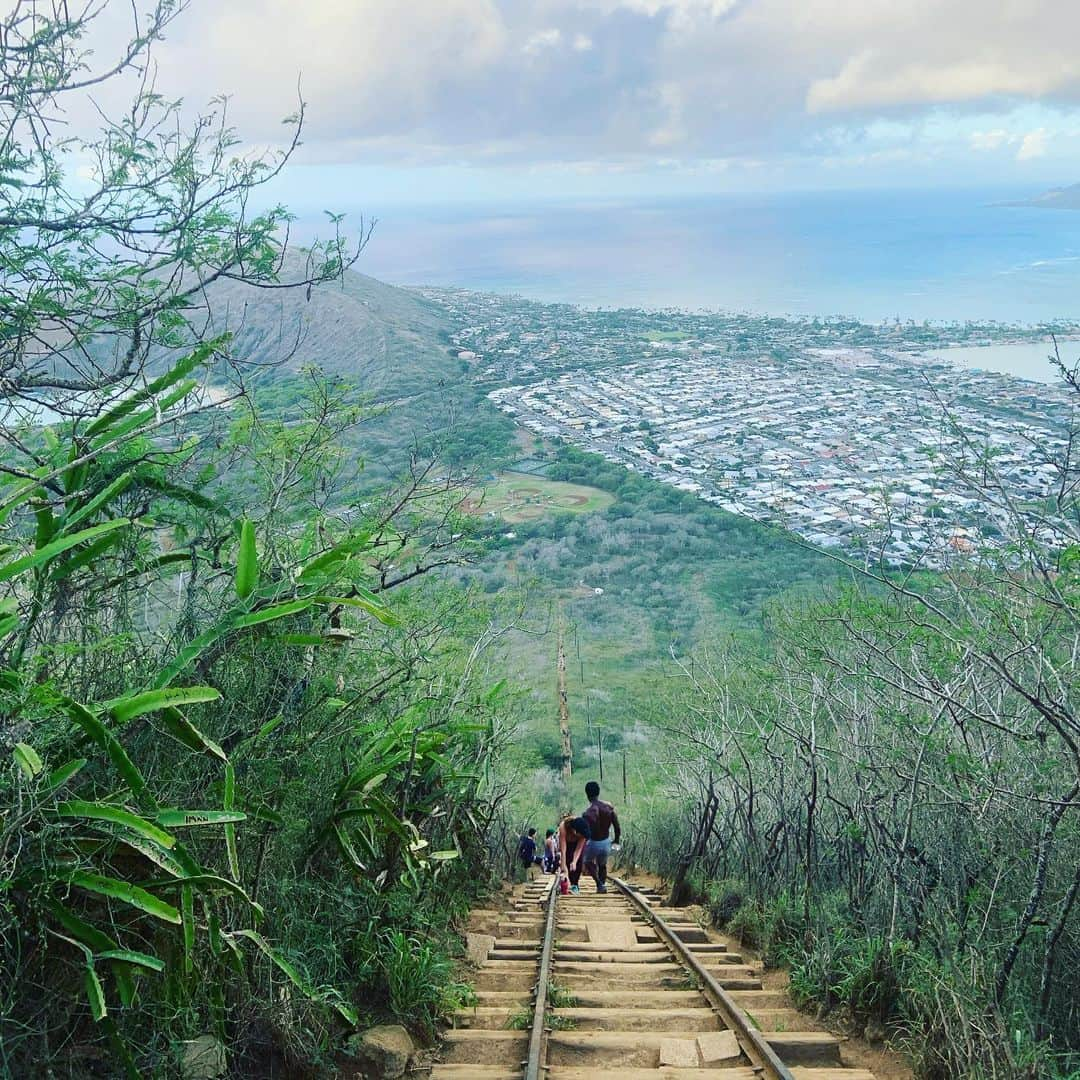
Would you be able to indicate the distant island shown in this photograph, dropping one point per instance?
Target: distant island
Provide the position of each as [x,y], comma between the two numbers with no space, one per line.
[1065,198]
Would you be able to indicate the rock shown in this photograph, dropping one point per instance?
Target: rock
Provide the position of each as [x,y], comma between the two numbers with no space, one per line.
[383,1051]
[681,1053]
[203,1059]
[719,1047]
[875,1031]
[477,947]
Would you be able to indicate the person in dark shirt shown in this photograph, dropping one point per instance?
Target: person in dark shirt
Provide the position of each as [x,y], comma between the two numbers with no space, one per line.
[574,835]
[527,850]
[602,821]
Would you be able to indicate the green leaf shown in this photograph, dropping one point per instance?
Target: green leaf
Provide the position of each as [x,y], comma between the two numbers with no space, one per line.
[106,495]
[184,731]
[108,742]
[332,556]
[265,615]
[179,819]
[60,776]
[94,811]
[366,602]
[95,994]
[139,959]
[128,893]
[57,547]
[247,562]
[187,907]
[128,707]
[26,757]
[181,370]
[295,977]
[230,828]
[79,928]
[146,416]
[88,555]
[195,647]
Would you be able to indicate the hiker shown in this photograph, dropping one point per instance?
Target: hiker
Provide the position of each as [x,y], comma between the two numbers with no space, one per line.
[551,852]
[574,834]
[527,851]
[602,819]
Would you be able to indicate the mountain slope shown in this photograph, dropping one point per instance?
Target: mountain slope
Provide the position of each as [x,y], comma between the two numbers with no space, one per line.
[383,337]
[1066,198]
[391,343]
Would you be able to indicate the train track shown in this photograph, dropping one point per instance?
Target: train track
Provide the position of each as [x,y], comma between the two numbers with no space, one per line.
[576,987]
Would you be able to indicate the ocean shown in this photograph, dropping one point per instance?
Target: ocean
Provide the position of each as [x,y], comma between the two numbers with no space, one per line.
[941,255]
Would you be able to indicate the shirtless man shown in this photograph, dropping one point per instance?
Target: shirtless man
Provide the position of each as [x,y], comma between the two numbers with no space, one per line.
[601,818]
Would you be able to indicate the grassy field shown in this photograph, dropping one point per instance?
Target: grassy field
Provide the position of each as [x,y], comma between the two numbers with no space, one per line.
[519,497]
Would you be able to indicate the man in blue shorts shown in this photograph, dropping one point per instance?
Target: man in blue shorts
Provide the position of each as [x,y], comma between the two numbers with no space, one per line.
[602,820]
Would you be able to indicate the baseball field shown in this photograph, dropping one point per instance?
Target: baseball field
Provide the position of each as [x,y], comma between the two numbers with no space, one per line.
[519,497]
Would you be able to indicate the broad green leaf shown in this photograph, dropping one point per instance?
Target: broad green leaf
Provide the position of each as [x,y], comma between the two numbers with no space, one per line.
[108,742]
[332,556]
[230,828]
[57,547]
[60,776]
[247,562]
[145,416]
[367,602]
[128,893]
[91,936]
[26,757]
[211,883]
[132,705]
[173,862]
[178,819]
[195,648]
[184,731]
[125,984]
[139,959]
[265,615]
[187,909]
[86,556]
[180,371]
[443,856]
[106,495]
[94,811]
[95,994]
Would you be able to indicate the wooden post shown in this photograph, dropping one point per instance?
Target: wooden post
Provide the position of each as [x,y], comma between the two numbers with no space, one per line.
[625,797]
[564,709]
[600,752]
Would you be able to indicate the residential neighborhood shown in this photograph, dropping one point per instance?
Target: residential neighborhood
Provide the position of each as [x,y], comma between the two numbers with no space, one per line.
[855,438]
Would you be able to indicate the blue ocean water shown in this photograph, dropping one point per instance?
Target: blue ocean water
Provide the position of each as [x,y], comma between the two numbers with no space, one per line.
[941,255]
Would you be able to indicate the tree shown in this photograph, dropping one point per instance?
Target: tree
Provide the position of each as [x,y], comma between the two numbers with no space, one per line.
[233,775]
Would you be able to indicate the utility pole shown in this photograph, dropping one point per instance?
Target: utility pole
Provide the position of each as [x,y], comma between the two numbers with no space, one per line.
[564,709]
[600,752]
[625,797]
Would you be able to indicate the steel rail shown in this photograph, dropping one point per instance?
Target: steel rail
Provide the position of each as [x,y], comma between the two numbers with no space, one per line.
[536,1039]
[760,1053]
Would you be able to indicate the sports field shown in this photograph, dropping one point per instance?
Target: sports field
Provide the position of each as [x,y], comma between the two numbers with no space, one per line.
[518,497]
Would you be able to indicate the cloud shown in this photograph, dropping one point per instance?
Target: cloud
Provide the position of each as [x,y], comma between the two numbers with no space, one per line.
[620,81]
[1033,145]
[542,40]
[989,140]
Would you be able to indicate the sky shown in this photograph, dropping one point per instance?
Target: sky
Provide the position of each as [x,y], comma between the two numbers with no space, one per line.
[429,101]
